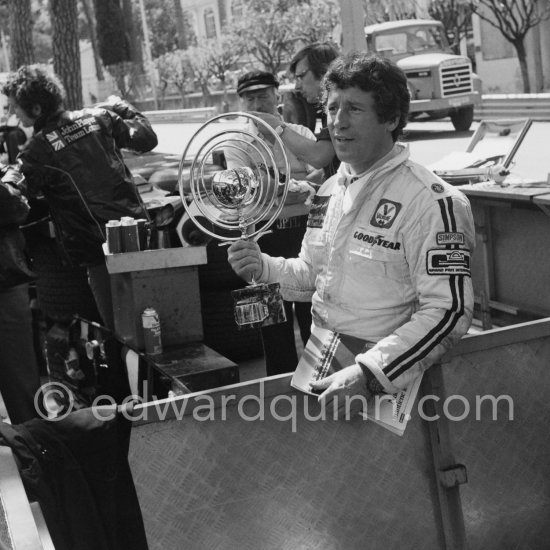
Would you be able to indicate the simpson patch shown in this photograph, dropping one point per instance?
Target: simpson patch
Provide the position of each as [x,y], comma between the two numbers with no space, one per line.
[450,238]
[385,213]
[318,211]
[448,262]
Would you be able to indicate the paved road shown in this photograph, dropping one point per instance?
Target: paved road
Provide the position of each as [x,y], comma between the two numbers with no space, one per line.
[429,142]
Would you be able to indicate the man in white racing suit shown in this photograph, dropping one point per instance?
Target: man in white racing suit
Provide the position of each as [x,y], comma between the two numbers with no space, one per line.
[388,244]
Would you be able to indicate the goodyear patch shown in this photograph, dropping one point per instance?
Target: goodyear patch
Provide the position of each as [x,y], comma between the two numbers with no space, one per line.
[318,211]
[376,240]
[448,262]
[449,238]
[385,213]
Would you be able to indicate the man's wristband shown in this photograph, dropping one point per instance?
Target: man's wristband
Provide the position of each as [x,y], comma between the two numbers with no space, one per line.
[373,385]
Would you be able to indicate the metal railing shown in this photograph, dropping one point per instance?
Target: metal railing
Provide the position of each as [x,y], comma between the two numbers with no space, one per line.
[200,114]
[533,106]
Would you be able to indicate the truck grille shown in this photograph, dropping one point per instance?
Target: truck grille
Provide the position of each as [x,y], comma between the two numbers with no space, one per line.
[456,80]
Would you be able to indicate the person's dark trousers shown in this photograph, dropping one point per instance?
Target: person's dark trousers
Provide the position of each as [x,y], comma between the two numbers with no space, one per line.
[100,283]
[279,341]
[19,376]
[302,311]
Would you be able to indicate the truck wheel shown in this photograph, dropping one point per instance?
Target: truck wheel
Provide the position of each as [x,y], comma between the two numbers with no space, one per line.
[462,118]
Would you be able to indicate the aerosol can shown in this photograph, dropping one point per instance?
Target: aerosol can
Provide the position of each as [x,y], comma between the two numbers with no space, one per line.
[151,331]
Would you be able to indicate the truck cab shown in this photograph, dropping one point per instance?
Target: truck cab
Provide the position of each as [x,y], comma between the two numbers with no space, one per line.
[440,83]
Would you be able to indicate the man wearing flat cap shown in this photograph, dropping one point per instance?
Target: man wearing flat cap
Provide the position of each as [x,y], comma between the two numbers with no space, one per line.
[258,93]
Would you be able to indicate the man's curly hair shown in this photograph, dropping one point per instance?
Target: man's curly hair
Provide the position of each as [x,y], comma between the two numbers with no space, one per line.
[35,85]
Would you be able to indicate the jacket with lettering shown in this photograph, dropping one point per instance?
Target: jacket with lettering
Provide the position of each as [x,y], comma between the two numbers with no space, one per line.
[387,261]
[74,160]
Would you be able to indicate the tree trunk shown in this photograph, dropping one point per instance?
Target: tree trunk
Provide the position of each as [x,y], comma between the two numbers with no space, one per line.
[522,58]
[206,95]
[180,25]
[93,38]
[112,42]
[133,37]
[20,24]
[66,50]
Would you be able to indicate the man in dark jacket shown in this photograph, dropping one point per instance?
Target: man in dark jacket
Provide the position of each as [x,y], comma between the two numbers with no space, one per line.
[74,160]
[19,377]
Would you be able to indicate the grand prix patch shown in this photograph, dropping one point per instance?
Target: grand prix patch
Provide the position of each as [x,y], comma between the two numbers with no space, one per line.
[385,213]
[448,262]
[318,211]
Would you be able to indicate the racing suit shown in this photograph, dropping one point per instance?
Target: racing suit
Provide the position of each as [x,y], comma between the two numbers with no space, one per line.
[387,257]
[74,160]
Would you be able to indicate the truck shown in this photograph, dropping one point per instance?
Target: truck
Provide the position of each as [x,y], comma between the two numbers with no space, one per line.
[440,83]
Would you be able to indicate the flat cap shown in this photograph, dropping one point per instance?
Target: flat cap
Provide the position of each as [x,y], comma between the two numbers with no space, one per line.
[256,80]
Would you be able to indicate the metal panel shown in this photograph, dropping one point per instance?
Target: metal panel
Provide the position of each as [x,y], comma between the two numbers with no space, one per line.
[206,482]
[256,484]
[506,501]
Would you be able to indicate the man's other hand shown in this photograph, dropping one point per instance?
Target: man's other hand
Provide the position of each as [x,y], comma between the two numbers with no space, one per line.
[344,391]
[270,119]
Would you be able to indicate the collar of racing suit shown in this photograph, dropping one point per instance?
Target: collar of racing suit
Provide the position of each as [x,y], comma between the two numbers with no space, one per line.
[398,154]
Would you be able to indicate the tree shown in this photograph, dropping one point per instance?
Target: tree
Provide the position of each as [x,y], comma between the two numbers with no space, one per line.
[87,10]
[514,19]
[180,25]
[114,45]
[132,36]
[270,30]
[66,50]
[175,68]
[221,57]
[456,16]
[198,57]
[314,21]
[112,38]
[20,25]
[378,11]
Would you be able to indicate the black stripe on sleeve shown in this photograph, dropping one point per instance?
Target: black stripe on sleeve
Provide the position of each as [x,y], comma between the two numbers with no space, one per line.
[426,344]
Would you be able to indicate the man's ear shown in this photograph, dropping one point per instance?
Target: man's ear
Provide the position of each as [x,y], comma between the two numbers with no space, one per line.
[391,125]
[36,111]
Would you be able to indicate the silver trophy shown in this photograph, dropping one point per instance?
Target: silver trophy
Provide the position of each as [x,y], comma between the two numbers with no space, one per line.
[239,203]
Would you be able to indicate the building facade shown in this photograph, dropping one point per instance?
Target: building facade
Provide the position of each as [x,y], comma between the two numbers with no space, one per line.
[207,17]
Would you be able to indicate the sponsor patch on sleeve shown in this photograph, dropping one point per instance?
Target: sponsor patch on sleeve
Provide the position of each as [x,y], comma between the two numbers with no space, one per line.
[318,211]
[450,238]
[448,262]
